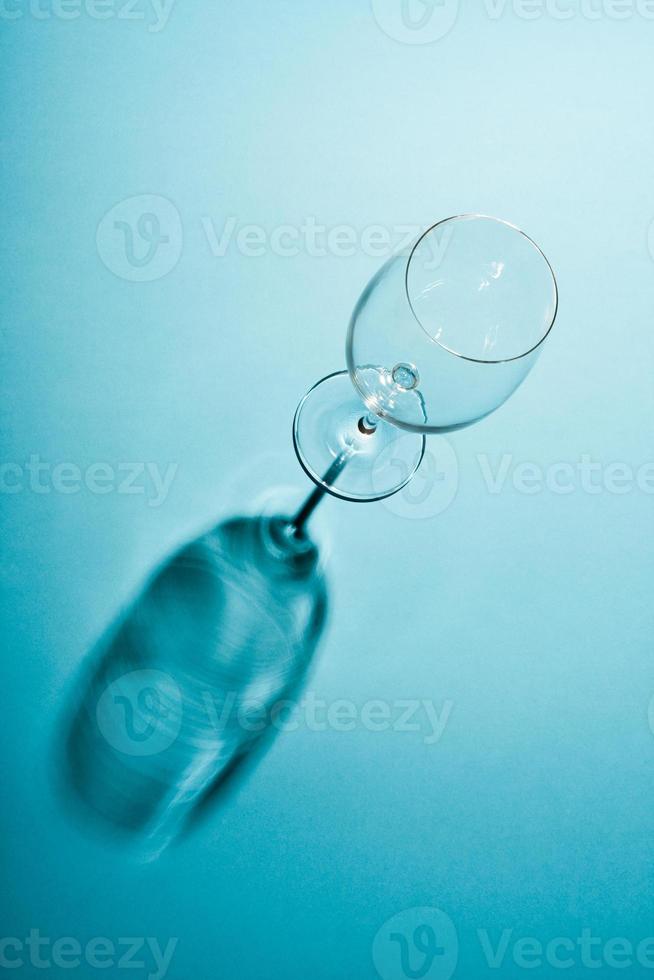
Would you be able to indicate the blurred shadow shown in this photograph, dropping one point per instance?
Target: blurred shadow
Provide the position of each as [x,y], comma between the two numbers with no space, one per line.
[179,692]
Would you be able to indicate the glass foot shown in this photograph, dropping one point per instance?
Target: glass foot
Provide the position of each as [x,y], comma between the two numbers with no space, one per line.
[346,450]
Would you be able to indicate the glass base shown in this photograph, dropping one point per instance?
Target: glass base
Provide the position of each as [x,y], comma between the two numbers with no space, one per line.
[348,452]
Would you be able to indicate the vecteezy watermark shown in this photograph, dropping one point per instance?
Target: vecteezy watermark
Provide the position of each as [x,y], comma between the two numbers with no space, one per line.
[585,951]
[563,10]
[38,476]
[311,237]
[426,21]
[141,713]
[424,943]
[417,944]
[432,488]
[155,14]
[100,953]
[416,715]
[141,238]
[563,478]
[436,482]
[416,21]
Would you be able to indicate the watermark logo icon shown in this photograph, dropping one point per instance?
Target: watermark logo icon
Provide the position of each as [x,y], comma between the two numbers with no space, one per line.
[416,21]
[140,713]
[140,239]
[417,944]
[433,487]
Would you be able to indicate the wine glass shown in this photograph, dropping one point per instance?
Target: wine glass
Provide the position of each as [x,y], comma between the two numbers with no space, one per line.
[442,335]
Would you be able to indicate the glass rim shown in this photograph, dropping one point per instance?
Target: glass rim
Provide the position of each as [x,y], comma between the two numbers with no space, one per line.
[508,224]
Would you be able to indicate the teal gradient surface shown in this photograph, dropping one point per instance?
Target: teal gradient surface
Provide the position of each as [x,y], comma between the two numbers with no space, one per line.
[521,611]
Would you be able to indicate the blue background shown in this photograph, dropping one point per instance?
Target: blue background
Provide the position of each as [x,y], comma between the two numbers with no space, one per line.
[531,613]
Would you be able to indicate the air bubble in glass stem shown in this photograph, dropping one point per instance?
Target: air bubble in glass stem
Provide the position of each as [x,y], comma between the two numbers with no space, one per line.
[406,376]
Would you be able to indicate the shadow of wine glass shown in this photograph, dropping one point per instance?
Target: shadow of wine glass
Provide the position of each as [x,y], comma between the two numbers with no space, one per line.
[176,702]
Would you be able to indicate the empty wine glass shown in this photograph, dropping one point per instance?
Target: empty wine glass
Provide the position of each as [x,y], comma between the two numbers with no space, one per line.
[442,335]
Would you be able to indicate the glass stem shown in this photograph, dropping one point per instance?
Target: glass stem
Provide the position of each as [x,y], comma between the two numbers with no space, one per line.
[306,510]
[367,426]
